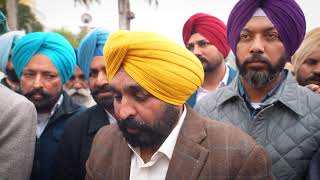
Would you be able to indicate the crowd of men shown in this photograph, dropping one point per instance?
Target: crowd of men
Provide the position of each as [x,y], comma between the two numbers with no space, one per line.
[139,106]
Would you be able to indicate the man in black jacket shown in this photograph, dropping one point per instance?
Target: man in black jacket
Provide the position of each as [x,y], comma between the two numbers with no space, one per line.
[79,132]
[44,61]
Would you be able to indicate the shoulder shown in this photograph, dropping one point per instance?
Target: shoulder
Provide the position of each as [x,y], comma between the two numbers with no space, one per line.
[12,100]
[214,99]
[107,137]
[110,131]
[231,134]
[237,148]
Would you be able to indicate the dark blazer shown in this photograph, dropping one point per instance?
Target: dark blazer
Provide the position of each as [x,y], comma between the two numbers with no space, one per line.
[48,143]
[76,143]
[193,98]
[205,149]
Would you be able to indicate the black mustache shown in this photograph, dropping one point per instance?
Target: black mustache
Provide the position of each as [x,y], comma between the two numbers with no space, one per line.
[313,78]
[132,123]
[256,57]
[99,89]
[38,91]
[202,59]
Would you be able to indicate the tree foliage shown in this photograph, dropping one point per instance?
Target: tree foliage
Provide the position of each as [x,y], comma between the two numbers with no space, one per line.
[73,38]
[26,19]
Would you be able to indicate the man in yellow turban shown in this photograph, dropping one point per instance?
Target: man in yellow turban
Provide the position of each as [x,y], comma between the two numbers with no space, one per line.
[306,61]
[157,135]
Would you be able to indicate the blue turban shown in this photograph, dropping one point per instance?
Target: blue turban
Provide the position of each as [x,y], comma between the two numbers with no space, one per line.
[53,45]
[286,15]
[7,42]
[90,46]
[3,24]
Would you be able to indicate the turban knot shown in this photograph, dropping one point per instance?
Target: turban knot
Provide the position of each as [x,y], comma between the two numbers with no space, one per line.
[90,46]
[162,67]
[53,45]
[286,16]
[210,27]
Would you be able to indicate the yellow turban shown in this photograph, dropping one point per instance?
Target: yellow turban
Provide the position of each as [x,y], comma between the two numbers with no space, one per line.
[162,67]
[308,45]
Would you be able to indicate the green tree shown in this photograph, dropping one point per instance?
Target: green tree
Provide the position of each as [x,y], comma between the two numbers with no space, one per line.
[26,20]
[74,39]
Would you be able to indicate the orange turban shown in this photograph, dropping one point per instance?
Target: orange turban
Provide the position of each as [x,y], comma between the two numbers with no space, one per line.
[162,67]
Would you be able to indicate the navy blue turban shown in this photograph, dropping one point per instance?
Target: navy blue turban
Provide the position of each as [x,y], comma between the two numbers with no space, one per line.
[286,16]
[90,46]
[53,45]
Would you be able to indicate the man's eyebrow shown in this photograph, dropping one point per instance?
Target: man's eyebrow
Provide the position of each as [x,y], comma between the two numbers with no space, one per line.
[134,88]
[245,30]
[270,29]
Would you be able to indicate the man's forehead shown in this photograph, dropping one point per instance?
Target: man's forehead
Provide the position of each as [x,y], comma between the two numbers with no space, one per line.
[122,78]
[196,38]
[40,62]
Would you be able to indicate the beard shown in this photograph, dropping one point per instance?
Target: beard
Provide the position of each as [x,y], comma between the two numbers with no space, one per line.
[45,103]
[150,136]
[11,75]
[258,78]
[79,96]
[104,101]
[209,67]
[313,79]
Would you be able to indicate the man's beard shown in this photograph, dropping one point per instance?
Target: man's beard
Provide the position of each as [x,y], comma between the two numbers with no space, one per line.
[11,75]
[46,103]
[209,67]
[104,101]
[314,79]
[148,136]
[260,78]
[79,96]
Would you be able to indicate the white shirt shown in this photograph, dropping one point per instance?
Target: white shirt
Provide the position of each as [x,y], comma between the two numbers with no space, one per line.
[157,167]
[43,118]
[203,92]
[112,120]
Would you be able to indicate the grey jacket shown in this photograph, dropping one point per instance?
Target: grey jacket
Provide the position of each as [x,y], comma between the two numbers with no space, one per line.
[287,126]
[17,135]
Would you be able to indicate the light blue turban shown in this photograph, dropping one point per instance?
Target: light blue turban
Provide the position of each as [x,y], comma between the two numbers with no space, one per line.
[90,46]
[53,45]
[3,24]
[7,42]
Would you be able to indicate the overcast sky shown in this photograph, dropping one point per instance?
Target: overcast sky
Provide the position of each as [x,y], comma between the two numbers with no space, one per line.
[167,19]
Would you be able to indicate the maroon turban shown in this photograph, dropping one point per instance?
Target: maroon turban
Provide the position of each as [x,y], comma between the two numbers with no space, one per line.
[213,29]
[286,16]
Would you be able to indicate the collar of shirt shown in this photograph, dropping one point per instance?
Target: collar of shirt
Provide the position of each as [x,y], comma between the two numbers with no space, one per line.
[255,110]
[201,92]
[112,120]
[43,118]
[224,81]
[167,147]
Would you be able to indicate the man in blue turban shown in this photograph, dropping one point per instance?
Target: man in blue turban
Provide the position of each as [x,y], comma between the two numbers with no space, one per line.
[44,61]
[82,128]
[265,100]
[7,42]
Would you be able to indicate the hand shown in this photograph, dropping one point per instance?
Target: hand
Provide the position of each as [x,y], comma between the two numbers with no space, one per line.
[314,87]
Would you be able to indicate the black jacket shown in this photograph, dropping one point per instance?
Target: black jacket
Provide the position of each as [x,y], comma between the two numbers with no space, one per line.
[76,143]
[48,143]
